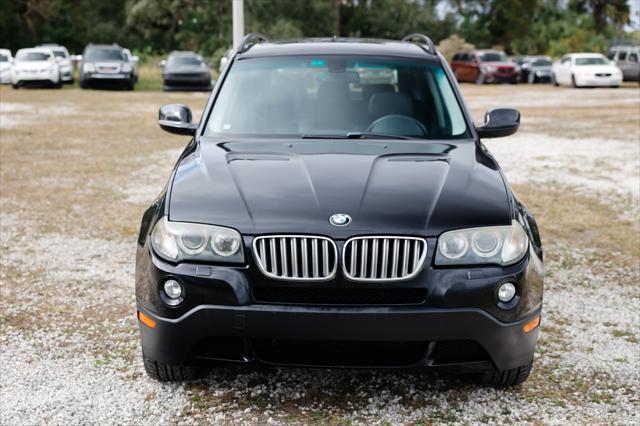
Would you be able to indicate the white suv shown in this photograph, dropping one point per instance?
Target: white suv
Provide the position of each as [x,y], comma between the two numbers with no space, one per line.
[64,61]
[6,62]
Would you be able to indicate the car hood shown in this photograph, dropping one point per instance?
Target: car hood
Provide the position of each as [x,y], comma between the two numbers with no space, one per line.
[32,65]
[397,187]
[540,68]
[500,64]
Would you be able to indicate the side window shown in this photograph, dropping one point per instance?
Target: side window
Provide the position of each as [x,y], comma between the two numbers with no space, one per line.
[611,54]
[456,57]
[633,57]
[464,57]
[622,56]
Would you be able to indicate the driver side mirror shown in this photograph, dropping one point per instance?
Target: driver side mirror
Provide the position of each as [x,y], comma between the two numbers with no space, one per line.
[176,119]
[499,122]
[163,63]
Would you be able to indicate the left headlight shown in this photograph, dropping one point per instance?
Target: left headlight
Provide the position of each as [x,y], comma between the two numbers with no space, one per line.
[503,245]
[177,241]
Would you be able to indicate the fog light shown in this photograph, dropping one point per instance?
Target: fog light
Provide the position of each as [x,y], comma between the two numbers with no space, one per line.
[173,289]
[506,292]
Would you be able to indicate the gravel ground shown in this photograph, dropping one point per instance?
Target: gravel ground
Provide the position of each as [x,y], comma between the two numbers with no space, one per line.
[69,342]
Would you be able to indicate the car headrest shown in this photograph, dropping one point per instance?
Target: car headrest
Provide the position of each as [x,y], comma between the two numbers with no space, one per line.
[369,90]
[388,103]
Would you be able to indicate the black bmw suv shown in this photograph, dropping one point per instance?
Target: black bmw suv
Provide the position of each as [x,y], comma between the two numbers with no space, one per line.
[336,207]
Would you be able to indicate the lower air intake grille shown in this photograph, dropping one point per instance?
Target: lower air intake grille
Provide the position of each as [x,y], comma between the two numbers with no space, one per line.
[339,296]
[296,257]
[383,258]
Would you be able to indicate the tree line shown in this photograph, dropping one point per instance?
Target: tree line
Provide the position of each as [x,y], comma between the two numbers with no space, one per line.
[159,26]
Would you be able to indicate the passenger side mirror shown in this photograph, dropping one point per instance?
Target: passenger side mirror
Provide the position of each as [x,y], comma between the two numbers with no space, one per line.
[163,63]
[499,122]
[176,119]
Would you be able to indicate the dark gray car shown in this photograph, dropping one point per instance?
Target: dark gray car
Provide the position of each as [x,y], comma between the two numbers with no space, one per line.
[106,65]
[185,71]
[535,69]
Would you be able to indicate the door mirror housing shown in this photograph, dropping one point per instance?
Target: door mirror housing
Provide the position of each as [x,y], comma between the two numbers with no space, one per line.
[499,122]
[163,63]
[176,119]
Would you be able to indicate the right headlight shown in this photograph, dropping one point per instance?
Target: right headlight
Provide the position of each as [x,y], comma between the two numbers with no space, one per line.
[177,241]
[502,245]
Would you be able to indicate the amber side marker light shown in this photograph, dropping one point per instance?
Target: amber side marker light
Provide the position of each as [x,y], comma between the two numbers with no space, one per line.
[146,320]
[531,325]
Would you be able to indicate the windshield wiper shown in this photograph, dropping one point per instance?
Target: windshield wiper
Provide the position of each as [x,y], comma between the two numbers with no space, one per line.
[355,135]
[368,135]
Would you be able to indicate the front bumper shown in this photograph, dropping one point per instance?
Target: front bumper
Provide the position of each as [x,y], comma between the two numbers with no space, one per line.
[595,81]
[495,77]
[106,78]
[222,305]
[66,74]
[34,77]
[177,82]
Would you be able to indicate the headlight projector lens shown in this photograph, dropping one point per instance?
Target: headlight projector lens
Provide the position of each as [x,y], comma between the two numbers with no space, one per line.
[506,292]
[173,289]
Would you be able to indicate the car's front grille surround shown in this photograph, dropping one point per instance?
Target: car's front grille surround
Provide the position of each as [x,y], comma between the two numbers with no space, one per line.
[383,258]
[296,257]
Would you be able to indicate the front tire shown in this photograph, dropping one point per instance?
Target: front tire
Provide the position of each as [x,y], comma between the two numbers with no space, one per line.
[573,81]
[506,378]
[553,80]
[170,372]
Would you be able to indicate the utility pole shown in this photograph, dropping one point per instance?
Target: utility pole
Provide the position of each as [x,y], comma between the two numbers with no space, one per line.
[338,3]
[238,21]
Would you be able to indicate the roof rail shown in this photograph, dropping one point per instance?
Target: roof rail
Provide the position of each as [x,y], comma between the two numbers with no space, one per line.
[251,39]
[422,38]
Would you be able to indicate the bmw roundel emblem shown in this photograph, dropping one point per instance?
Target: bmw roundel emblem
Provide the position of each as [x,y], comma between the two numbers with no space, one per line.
[340,219]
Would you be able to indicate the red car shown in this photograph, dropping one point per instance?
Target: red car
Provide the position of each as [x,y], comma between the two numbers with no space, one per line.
[485,66]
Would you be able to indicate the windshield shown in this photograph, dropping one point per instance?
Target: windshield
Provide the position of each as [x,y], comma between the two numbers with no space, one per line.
[59,53]
[493,57]
[591,60]
[184,60]
[330,95]
[541,63]
[32,56]
[105,55]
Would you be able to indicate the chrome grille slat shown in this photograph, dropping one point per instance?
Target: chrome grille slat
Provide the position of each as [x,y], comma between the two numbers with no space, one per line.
[284,257]
[296,257]
[383,258]
[305,259]
[325,256]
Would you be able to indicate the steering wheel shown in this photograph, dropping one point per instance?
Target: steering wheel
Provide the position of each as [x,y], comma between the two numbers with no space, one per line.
[395,124]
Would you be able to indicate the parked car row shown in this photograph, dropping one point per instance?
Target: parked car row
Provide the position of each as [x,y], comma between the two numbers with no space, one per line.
[99,65]
[113,65]
[573,69]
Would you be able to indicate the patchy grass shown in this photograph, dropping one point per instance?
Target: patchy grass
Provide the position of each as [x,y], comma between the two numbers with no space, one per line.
[582,221]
